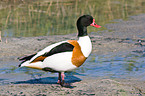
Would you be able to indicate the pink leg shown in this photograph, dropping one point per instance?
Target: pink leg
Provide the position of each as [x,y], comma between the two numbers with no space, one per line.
[61,78]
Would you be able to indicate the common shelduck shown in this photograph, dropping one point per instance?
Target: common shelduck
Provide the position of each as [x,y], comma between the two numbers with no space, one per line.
[66,55]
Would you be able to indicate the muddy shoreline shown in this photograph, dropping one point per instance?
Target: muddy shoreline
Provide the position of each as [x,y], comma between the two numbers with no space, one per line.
[17,47]
[124,37]
[91,87]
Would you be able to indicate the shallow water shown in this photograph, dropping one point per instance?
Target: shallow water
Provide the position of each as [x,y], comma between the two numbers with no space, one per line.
[124,65]
[115,66]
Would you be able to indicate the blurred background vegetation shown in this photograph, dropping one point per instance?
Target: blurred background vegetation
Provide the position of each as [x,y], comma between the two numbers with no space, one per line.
[25,18]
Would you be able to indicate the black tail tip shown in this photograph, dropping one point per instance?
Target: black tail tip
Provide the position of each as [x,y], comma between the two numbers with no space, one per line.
[19,65]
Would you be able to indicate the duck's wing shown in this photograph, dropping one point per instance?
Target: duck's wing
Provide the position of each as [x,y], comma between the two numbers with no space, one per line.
[63,47]
[60,47]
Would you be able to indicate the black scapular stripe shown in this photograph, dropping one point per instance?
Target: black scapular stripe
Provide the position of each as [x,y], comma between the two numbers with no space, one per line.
[64,47]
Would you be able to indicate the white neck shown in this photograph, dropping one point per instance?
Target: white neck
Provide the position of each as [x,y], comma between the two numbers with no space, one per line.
[86,45]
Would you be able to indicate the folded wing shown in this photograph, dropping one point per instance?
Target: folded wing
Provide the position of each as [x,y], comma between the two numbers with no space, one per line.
[48,51]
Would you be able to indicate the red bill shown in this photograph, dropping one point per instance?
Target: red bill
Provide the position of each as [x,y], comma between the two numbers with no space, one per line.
[94,24]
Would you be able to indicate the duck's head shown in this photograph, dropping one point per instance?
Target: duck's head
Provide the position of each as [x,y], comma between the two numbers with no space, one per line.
[83,22]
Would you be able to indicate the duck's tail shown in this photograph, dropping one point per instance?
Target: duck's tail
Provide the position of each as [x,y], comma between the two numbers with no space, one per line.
[25,59]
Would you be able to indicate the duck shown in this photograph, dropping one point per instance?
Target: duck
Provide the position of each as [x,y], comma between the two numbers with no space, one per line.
[65,55]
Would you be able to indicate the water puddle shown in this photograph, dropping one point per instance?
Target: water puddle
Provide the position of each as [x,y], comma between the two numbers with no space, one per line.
[115,66]
[130,65]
